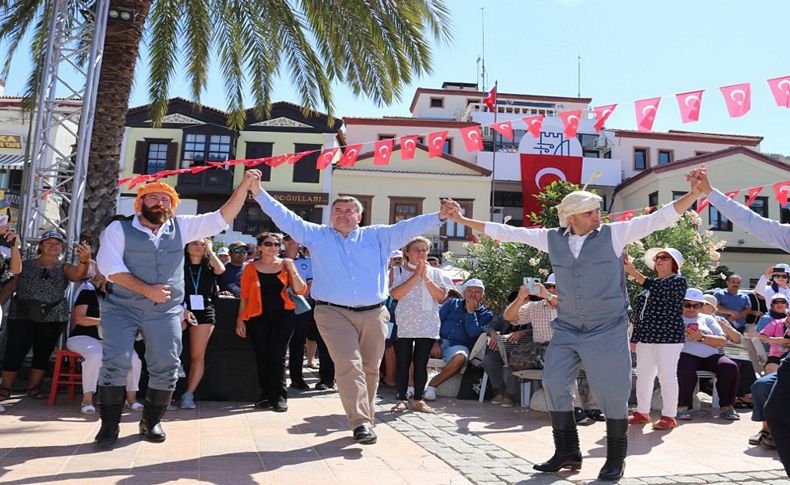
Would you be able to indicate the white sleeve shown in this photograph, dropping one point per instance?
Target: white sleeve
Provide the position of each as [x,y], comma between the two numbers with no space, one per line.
[112,244]
[624,233]
[535,237]
[200,226]
[764,288]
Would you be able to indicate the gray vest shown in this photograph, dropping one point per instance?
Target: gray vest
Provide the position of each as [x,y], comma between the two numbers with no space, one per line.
[591,288]
[152,265]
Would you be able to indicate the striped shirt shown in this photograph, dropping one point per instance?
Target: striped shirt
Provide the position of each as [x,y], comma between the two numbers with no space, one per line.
[539,314]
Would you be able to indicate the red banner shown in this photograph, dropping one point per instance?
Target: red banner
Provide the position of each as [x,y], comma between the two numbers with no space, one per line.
[602,113]
[408,145]
[780,88]
[473,138]
[689,104]
[436,143]
[382,152]
[534,124]
[738,98]
[780,190]
[349,157]
[626,216]
[570,120]
[504,128]
[752,194]
[646,110]
[538,171]
[325,158]
[490,99]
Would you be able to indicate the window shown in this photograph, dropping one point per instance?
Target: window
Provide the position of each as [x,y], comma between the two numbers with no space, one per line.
[784,215]
[260,150]
[402,208]
[717,221]
[652,199]
[437,102]
[154,155]
[256,221]
[386,137]
[759,205]
[458,231]
[664,157]
[305,169]
[640,158]
[508,199]
[200,148]
[448,146]
[678,195]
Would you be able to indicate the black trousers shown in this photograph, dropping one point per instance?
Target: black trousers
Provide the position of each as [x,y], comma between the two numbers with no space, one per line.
[270,334]
[326,366]
[296,347]
[23,334]
[408,351]
[776,413]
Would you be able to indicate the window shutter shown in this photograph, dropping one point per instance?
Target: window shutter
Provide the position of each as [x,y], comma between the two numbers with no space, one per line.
[172,155]
[140,156]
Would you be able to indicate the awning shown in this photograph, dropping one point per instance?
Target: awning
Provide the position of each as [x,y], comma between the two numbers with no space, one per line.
[12,162]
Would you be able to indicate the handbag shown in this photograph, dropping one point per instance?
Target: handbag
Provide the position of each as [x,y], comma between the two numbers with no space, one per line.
[301,302]
[529,355]
[32,310]
[471,382]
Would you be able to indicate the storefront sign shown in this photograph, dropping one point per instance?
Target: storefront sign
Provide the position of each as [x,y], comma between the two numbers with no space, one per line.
[13,142]
[304,198]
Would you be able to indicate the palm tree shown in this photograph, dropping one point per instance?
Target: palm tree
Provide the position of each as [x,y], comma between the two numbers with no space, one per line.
[374,47]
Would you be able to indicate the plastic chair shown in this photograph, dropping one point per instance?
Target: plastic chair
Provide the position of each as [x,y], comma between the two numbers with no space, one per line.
[66,373]
[703,374]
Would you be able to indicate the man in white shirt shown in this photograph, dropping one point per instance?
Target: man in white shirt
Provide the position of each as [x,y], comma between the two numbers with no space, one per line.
[144,258]
[591,324]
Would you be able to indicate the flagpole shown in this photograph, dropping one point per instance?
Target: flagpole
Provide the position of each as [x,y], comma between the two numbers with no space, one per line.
[493,152]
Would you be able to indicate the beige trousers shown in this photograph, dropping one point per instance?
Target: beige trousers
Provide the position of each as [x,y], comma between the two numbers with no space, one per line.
[356,344]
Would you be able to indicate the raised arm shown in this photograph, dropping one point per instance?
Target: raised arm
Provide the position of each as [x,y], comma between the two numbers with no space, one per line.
[231,208]
[285,219]
[537,238]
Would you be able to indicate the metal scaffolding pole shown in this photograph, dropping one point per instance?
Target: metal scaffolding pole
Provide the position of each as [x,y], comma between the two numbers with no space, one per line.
[55,178]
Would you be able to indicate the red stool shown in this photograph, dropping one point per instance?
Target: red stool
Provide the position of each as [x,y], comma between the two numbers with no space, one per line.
[66,373]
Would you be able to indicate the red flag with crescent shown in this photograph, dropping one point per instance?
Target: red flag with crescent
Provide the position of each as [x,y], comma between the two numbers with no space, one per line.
[325,158]
[780,88]
[295,157]
[278,160]
[254,162]
[436,143]
[408,145]
[534,124]
[626,216]
[689,104]
[602,113]
[504,128]
[570,120]
[780,190]
[752,194]
[738,99]
[473,138]
[702,204]
[140,179]
[538,171]
[646,110]
[350,155]
[382,151]
[490,99]
[201,168]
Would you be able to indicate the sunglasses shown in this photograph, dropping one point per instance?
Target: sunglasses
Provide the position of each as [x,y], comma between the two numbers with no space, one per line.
[783,276]
[549,285]
[269,244]
[662,257]
[239,250]
[692,305]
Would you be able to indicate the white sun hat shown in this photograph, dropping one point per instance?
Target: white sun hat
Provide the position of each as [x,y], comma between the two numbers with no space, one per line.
[651,253]
[695,294]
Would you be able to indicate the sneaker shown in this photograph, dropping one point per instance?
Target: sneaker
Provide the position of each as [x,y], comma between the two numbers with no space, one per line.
[758,438]
[638,418]
[409,392]
[498,398]
[87,409]
[596,415]
[135,406]
[187,401]
[665,422]
[429,394]
[507,402]
[280,406]
[299,386]
[581,417]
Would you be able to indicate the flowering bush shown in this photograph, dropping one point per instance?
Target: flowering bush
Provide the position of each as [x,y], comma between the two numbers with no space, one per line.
[502,265]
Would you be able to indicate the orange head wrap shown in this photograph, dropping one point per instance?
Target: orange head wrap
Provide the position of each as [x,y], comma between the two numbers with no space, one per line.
[152,187]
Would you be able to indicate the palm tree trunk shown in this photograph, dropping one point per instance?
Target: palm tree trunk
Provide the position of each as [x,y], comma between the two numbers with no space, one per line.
[121,48]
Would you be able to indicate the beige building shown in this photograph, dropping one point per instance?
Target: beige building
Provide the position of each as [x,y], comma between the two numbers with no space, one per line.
[731,168]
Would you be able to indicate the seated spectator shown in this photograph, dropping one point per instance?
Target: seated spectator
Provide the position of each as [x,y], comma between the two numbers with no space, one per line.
[84,339]
[732,304]
[230,281]
[418,288]
[759,308]
[774,281]
[701,351]
[777,310]
[224,255]
[775,334]
[761,389]
[463,320]
[39,311]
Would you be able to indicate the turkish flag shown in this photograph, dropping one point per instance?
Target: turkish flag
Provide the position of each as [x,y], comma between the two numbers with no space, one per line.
[570,120]
[278,160]
[201,168]
[436,143]
[780,88]
[752,194]
[473,138]
[703,203]
[254,162]
[505,129]
[382,152]
[602,113]
[646,110]
[538,171]
[732,195]
[140,179]
[349,157]
[534,123]
[780,190]
[490,99]
[295,157]
[325,158]
[689,104]
[738,98]
[648,210]
[408,145]
[124,180]
[626,216]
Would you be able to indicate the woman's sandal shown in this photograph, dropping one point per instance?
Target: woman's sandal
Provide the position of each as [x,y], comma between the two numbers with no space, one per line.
[422,407]
[400,407]
[36,393]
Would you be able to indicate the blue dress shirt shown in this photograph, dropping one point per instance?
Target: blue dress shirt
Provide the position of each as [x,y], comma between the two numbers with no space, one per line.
[350,270]
[460,327]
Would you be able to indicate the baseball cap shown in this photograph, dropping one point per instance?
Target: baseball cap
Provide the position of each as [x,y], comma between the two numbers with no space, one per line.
[474,282]
[396,254]
[53,235]
[223,251]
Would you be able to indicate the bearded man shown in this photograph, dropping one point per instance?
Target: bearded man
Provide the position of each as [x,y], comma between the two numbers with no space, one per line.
[144,258]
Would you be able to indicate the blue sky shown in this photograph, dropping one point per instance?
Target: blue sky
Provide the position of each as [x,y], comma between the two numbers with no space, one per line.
[630,50]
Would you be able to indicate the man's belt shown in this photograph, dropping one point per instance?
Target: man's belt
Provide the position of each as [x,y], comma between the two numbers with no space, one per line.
[352,308]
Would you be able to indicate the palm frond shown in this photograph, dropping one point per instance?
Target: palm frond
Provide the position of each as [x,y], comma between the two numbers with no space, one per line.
[231,58]
[163,49]
[197,32]
[15,19]
[261,55]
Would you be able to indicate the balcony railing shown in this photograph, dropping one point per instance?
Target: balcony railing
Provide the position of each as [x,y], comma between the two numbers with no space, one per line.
[208,182]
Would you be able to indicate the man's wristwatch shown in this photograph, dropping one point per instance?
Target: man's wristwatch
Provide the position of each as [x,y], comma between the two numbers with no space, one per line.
[701,340]
[550,297]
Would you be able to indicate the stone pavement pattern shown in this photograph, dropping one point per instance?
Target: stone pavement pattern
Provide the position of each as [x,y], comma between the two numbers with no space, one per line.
[232,443]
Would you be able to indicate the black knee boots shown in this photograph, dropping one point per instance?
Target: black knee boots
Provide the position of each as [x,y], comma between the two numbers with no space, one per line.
[110,401]
[566,444]
[616,449]
[156,403]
